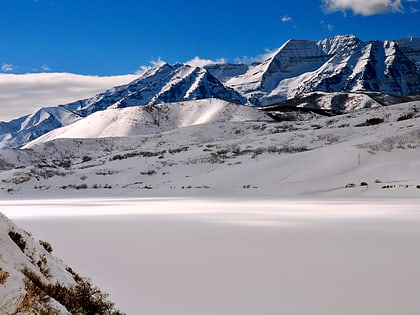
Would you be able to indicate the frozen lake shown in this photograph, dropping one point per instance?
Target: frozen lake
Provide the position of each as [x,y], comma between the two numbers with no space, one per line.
[227,256]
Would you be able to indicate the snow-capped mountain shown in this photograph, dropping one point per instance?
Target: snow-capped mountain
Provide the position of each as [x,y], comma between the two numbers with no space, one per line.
[338,64]
[162,84]
[34,281]
[297,69]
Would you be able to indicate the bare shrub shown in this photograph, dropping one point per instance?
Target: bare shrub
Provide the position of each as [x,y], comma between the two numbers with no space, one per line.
[3,276]
[42,264]
[46,245]
[406,116]
[371,122]
[18,239]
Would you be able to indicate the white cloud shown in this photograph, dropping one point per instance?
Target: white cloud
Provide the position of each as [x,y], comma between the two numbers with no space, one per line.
[6,67]
[414,10]
[154,63]
[21,94]
[363,7]
[286,19]
[198,62]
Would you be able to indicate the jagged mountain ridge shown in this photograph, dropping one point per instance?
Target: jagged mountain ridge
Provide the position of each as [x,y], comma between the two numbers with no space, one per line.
[338,64]
[162,84]
[299,67]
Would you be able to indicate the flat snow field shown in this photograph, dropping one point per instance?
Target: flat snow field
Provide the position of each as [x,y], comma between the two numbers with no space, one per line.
[238,256]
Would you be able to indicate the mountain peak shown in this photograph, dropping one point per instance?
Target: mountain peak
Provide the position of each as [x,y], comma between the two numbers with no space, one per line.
[339,44]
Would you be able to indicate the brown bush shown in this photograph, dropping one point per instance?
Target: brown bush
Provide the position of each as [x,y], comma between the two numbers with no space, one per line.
[3,276]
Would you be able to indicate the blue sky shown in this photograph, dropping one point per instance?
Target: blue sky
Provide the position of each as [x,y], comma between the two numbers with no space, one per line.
[98,37]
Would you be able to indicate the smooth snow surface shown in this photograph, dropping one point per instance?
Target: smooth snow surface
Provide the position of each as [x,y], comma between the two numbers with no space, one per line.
[238,256]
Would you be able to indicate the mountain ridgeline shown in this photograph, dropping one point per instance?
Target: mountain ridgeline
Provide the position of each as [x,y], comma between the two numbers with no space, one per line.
[341,64]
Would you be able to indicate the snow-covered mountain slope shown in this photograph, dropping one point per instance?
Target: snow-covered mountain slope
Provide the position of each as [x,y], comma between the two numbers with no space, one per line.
[305,154]
[162,84]
[33,281]
[338,64]
[226,71]
[29,127]
[139,120]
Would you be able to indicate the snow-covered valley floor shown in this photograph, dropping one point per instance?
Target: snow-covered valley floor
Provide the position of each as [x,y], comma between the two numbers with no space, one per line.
[307,215]
[169,256]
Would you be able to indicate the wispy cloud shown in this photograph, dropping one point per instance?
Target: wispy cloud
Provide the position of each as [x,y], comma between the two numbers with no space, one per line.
[198,62]
[7,67]
[22,94]
[153,63]
[328,26]
[363,7]
[45,68]
[248,60]
[286,19]
[414,10]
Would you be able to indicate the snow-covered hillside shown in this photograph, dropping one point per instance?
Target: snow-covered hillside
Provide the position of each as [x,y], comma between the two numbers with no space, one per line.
[140,120]
[33,281]
[372,152]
